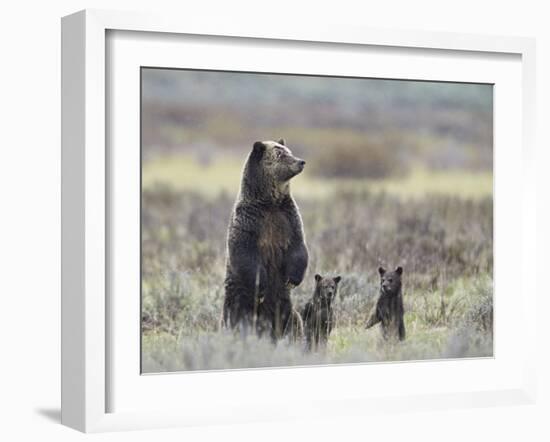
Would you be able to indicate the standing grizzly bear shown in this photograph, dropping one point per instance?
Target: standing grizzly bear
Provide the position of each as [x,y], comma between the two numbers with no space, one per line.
[266,250]
[389,307]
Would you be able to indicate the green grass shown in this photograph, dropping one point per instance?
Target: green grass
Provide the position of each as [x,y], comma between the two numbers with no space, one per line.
[183,172]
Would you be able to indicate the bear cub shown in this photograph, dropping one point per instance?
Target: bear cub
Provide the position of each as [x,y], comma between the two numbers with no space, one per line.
[318,315]
[389,307]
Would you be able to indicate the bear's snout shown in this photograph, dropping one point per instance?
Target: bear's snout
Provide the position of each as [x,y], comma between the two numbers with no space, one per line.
[300,163]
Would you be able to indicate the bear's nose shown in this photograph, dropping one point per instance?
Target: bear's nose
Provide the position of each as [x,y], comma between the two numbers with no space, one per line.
[302,163]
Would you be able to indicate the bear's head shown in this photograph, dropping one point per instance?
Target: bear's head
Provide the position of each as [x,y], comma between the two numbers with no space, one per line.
[277,161]
[325,289]
[390,282]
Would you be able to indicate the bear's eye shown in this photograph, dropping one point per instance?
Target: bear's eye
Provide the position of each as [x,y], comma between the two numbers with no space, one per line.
[390,280]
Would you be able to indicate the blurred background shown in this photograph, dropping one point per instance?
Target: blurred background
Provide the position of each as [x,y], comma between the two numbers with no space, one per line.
[398,173]
[347,128]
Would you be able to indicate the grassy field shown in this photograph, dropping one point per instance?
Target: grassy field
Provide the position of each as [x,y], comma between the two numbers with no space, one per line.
[185,172]
[437,225]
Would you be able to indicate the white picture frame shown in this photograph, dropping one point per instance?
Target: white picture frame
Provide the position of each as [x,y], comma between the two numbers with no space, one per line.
[87,203]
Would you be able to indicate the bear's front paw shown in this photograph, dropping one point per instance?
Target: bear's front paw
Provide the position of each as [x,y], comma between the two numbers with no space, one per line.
[290,285]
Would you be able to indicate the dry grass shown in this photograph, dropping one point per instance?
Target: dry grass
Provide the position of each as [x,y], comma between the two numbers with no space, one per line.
[443,242]
[213,177]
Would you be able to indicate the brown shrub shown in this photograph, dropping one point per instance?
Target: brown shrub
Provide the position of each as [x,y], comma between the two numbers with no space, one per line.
[364,160]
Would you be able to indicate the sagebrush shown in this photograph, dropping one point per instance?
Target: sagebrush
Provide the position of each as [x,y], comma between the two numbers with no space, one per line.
[444,243]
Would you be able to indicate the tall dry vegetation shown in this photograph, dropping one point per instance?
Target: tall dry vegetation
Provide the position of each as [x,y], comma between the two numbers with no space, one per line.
[444,244]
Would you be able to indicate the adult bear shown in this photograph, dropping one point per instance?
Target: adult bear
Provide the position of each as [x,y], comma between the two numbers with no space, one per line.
[266,251]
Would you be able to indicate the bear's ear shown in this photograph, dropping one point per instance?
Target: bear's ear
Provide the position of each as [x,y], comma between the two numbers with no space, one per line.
[381,270]
[282,142]
[259,147]
[399,270]
[337,279]
[318,277]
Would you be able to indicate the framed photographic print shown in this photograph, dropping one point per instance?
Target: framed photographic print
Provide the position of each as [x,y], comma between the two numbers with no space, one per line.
[251,212]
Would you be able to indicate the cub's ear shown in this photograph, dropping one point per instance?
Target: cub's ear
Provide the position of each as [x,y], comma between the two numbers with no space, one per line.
[318,277]
[381,270]
[337,279]
[399,270]
[259,147]
[282,142]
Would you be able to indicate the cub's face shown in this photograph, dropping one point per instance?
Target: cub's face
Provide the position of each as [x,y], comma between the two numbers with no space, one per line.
[390,282]
[326,288]
[278,161]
